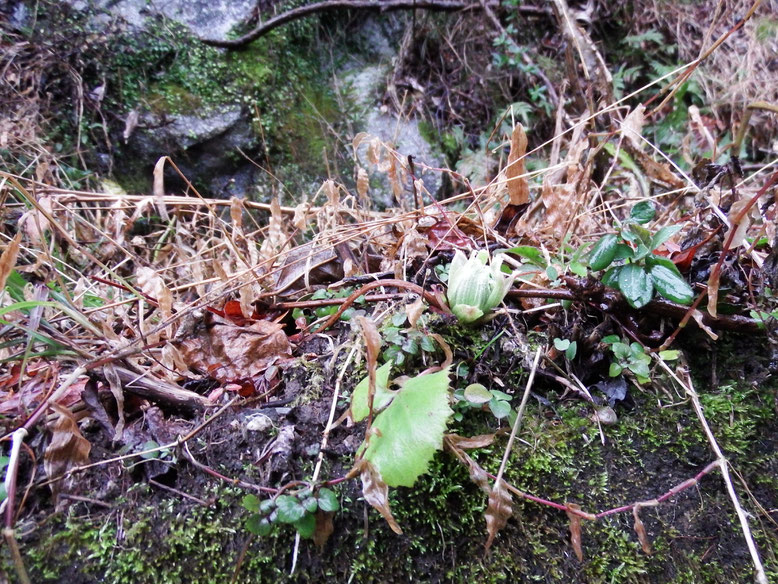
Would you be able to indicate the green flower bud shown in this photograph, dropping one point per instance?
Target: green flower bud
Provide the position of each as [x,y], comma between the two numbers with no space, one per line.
[475,285]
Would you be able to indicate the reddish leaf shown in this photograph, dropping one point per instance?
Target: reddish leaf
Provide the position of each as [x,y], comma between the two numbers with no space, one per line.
[575,530]
[498,511]
[480,441]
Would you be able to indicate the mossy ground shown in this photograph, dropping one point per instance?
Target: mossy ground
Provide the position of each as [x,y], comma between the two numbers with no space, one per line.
[151,535]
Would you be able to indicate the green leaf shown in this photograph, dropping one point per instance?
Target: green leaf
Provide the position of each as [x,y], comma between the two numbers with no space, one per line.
[663,235]
[643,212]
[571,351]
[258,525]
[500,408]
[306,526]
[289,509]
[670,284]
[250,503]
[611,277]
[476,393]
[552,273]
[328,500]
[533,254]
[561,344]
[383,396]
[410,429]
[311,505]
[610,339]
[578,269]
[624,252]
[636,285]
[670,355]
[603,252]
[615,370]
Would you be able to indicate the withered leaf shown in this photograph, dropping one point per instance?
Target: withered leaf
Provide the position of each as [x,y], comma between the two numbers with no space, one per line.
[324,527]
[67,449]
[480,441]
[640,530]
[498,511]
[575,530]
[229,352]
[518,188]
[376,493]
[8,259]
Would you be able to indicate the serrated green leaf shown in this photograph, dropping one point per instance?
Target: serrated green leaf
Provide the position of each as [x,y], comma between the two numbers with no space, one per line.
[289,509]
[383,396]
[475,393]
[500,409]
[410,429]
[306,525]
[603,252]
[643,212]
[663,235]
[636,285]
[328,500]
[250,503]
[671,285]
[266,506]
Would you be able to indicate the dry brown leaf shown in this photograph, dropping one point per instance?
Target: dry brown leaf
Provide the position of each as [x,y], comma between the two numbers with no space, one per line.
[324,527]
[518,187]
[575,530]
[276,239]
[115,384]
[151,283]
[67,449]
[363,183]
[227,352]
[498,511]
[236,214]
[632,126]
[376,493]
[8,258]
[640,530]
[158,188]
[414,310]
[35,223]
[713,292]
[469,442]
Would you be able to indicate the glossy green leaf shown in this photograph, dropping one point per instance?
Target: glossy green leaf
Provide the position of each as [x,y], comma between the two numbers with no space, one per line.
[636,285]
[533,254]
[410,429]
[383,396]
[670,284]
[328,500]
[643,212]
[289,509]
[611,277]
[603,252]
[663,235]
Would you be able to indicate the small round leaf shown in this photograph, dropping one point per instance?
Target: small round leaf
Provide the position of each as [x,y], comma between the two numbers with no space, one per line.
[476,393]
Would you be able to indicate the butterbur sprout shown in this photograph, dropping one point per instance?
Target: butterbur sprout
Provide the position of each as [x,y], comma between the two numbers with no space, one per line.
[476,285]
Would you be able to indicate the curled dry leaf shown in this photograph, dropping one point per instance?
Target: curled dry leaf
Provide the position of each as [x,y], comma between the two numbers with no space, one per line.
[67,449]
[640,530]
[518,187]
[575,530]
[229,352]
[8,258]
[480,441]
[414,310]
[376,493]
[498,511]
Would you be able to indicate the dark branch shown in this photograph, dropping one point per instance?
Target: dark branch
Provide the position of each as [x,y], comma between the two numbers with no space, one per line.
[383,6]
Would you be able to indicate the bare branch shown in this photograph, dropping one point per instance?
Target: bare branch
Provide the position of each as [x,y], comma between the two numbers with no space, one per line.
[384,6]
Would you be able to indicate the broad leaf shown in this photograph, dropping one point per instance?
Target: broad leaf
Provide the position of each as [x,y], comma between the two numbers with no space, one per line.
[603,252]
[289,509]
[383,396]
[670,284]
[475,393]
[533,254]
[663,235]
[611,277]
[410,429]
[328,500]
[643,212]
[636,285]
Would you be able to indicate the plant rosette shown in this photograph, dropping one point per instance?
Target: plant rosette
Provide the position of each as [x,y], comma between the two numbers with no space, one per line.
[476,285]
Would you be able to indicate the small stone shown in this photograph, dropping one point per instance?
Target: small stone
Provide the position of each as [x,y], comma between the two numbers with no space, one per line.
[605,416]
